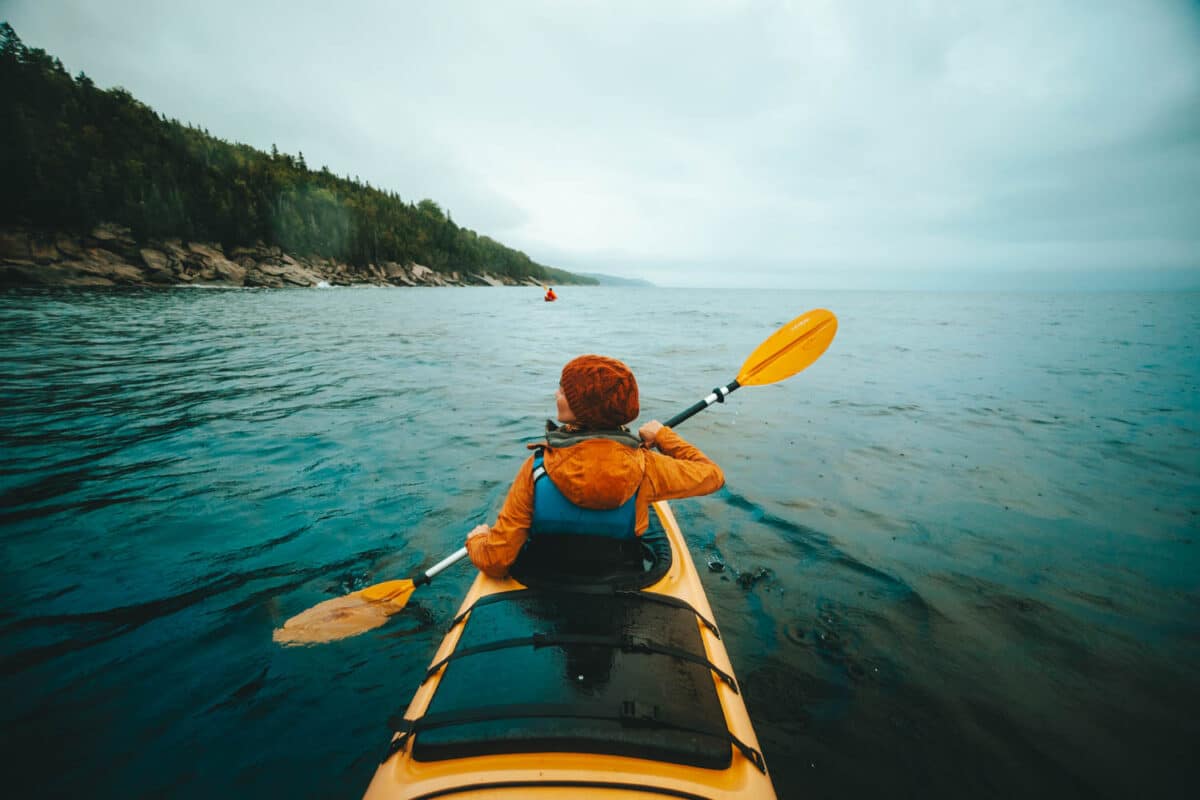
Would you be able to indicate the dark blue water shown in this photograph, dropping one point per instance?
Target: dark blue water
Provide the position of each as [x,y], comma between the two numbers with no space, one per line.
[962,546]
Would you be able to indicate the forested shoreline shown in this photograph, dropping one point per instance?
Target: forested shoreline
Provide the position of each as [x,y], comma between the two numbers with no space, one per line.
[78,159]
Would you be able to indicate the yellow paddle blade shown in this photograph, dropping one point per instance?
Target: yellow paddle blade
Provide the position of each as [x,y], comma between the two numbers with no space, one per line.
[346,616]
[790,349]
[392,591]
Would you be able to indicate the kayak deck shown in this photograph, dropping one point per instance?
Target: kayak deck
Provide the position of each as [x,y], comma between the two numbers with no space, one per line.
[553,691]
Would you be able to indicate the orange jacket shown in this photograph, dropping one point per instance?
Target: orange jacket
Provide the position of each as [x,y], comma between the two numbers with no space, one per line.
[597,473]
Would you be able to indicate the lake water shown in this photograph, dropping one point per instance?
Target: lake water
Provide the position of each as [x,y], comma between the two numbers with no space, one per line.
[965,537]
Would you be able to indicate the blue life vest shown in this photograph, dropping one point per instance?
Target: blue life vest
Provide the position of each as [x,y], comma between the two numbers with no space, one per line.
[554,514]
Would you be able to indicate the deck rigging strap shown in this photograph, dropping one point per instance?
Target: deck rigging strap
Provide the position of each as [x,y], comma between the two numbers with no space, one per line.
[626,644]
[630,714]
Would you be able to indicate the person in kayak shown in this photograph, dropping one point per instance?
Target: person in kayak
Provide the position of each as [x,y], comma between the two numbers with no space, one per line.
[550,295]
[592,478]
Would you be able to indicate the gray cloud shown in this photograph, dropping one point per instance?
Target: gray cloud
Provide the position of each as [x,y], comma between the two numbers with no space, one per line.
[721,143]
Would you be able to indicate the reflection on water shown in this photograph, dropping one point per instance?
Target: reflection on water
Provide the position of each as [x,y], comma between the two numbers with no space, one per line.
[959,550]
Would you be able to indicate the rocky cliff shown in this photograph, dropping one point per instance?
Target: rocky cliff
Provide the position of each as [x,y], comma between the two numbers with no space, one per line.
[109,256]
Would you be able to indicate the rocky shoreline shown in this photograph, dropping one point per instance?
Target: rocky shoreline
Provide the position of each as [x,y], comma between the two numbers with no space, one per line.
[110,256]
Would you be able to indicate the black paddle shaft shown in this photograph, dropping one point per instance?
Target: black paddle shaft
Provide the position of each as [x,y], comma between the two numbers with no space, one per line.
[718,396]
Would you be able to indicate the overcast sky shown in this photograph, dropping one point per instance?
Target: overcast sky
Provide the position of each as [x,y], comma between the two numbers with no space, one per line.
[806,144]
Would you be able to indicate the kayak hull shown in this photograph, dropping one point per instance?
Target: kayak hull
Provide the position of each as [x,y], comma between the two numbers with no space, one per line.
[635,773]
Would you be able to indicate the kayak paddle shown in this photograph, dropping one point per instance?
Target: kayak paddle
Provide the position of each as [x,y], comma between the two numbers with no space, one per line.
[789,350]
[357,612]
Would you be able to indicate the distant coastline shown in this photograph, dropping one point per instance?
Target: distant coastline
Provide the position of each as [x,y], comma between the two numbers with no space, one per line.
[613,280]
[111,256]
[100,190]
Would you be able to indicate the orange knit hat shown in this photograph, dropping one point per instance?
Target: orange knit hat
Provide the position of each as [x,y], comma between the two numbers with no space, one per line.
[601,391]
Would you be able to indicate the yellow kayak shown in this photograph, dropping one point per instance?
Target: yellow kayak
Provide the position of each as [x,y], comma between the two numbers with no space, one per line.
[614,686]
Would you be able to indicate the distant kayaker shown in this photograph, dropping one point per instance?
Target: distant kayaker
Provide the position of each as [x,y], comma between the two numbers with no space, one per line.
[592,478]
[550,295]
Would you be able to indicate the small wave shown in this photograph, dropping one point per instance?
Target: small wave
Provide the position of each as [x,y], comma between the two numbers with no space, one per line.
[1046,631]
[814,543]
[244,692]
[877,409]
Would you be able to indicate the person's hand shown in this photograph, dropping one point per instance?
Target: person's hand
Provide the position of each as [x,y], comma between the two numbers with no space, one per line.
[479,530]
[649,431]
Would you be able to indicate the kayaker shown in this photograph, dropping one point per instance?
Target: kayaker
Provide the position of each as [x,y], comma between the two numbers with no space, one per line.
[550,295]
[592,462]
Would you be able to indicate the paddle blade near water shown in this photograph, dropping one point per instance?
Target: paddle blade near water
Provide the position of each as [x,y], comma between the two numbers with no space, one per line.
[790,349]
[346,616]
